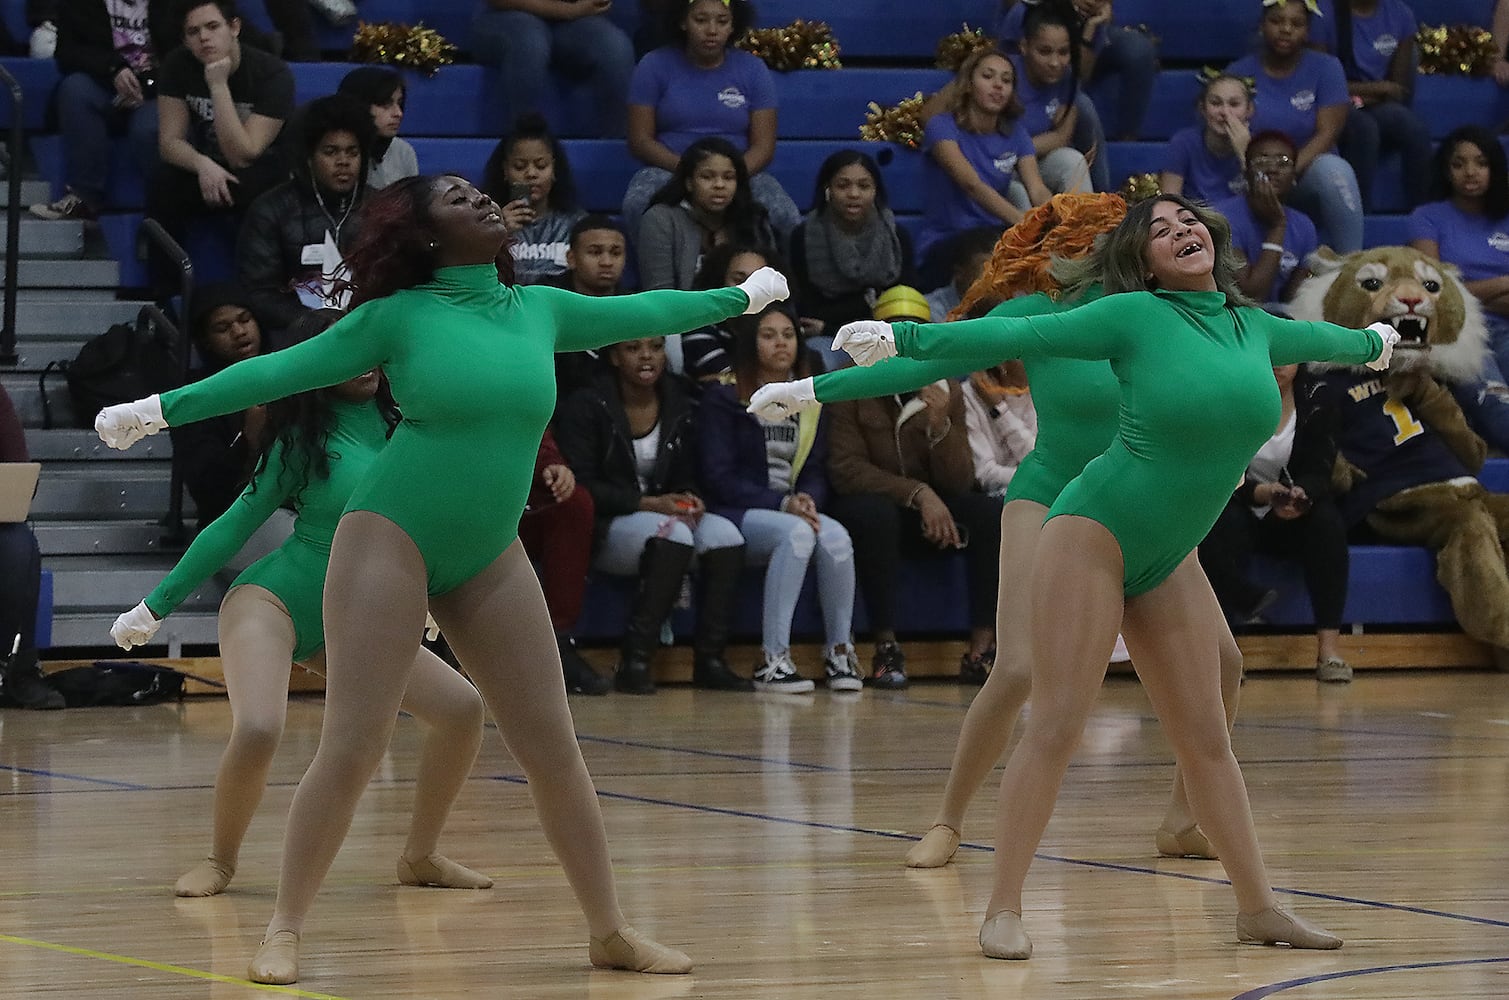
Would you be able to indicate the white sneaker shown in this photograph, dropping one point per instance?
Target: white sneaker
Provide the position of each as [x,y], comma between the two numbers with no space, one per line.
[778,673]
[843,672]
[337,12]
[44,40]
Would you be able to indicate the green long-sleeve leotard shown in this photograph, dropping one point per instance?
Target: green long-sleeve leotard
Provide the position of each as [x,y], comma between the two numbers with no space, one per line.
[471,362]
[1076,401]
[295,571]
[1198,399]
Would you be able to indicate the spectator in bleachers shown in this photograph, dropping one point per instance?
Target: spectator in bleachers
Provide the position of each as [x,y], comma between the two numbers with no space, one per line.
[1120,63]
[525,40]
[707,202]
[289,248]
[1002,424]
[1205,161]
[21,683]
[1303,94]
[770,479]
[1284,507]
[109,58]
[1071,151]
[697,87]
[382,90]
[529,175]
[971,253]
[630,440]
[904,482]
[707,353]
[556,531]
[1272,238]
[221,105]
[1375,41]
[594,266]
[980,170]
[849,248]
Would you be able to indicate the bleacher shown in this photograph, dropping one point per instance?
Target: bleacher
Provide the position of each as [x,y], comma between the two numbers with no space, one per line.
[95,513]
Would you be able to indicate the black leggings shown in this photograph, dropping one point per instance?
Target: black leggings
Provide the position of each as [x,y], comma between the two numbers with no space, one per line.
[1317,541]
[883,531]
[20,586]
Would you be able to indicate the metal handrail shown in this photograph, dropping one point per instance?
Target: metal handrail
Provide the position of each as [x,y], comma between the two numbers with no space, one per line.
[152,230]
[8,357]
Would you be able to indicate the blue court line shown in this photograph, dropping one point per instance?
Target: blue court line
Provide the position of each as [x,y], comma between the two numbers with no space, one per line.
[721,755]
[1267,991]
[62,776]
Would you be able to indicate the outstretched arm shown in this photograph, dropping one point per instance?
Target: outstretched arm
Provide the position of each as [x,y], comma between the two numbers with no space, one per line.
[1292,341]
[1092,332]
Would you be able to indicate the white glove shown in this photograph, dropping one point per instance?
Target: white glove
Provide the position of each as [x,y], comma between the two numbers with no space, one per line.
[122,425]
[866,340]
[765,286]
[1390,338]
[779,400]
[431,630]
[136,627]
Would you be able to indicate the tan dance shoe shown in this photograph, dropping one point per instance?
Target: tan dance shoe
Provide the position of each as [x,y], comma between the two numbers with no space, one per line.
[1189,842]
[277,961]
[936,848]
[1002,936]
[626,948]
[1277,925]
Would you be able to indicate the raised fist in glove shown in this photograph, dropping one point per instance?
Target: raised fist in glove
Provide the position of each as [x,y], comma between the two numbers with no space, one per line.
[765,286]
[122,425]
[1390,338]
[136,627]
[779,400]
[867,341]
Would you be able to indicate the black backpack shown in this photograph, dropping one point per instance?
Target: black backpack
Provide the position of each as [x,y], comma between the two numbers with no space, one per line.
[126,362]
[117,682]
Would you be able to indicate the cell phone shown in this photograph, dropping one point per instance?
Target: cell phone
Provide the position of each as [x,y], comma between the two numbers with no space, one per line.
[518,191]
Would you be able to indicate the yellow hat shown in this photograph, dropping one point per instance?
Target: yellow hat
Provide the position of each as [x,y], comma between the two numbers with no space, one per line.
[901,302]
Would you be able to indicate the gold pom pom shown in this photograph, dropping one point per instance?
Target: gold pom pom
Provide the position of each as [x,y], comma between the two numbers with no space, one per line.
[901,124]
[1139,187]
[1459,50]
[799,45]
[954,49]
[417,48]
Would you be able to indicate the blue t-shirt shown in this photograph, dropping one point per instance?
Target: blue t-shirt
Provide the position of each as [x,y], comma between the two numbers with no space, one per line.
[1206,176]
[946,208]
[1247,237]
[1288,104]
[692,103]
[1374,38]
[1477,245]
[1042,105]
[1009,28]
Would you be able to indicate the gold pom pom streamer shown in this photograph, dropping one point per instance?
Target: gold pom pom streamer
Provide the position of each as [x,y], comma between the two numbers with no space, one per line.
[900,124]
[1459,50]
[1139,187]
[954,49]
[417,47]
[799,45]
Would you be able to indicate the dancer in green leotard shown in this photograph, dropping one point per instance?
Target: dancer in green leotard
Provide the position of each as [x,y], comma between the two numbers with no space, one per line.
[320,445]
[471,361]
[1198,398]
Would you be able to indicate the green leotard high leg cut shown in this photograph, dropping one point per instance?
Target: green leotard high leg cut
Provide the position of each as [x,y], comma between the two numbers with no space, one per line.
[471,362]
[1198,398]
[295,571]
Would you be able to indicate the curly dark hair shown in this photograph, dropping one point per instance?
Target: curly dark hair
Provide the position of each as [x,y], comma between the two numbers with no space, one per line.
[562,197]
[1496,200]
[715,263]
[744,216]
[394,249]
[742,12]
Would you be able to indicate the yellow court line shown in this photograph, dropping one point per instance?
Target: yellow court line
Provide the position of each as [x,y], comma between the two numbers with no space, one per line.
[178,970]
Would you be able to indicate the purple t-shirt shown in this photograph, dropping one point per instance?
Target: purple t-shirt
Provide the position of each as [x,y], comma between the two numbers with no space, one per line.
[946,208]
[1478,245]
[1374,38]
[1042,105]
[1288,104]
[692,103]
[1009,28]
[1247,233]
[1206,176]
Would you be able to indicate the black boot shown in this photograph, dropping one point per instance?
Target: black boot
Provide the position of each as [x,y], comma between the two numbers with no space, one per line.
[661,567]
[718,572]
[580,677]
[22,684]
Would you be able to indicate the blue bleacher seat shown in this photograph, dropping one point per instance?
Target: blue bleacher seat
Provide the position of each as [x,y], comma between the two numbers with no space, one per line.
[831,104]
[38,78]
[881,29]
[1388,585]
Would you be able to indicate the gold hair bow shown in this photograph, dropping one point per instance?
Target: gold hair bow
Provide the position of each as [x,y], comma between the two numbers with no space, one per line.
[1311,5]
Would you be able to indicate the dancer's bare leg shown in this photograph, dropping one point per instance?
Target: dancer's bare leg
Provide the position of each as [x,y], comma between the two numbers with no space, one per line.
[992,715]
[1076,612]
[1174,633]
[499,627]
[256,646]
[374,615]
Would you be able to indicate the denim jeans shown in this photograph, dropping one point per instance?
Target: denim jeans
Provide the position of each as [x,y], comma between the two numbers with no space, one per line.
[525,48]
[20,586]
[784,215]
[1123,80]
[1388,126]
[88,116]
[627,534]
[1327,193]
[787,543]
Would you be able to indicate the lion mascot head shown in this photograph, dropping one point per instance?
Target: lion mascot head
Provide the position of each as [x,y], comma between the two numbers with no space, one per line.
[1440,323]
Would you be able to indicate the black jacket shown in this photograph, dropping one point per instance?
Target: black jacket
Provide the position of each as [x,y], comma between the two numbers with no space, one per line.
[86,43]
[592,430]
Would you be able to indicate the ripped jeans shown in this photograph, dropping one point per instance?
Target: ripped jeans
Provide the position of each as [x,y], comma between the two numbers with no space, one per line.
[788,544]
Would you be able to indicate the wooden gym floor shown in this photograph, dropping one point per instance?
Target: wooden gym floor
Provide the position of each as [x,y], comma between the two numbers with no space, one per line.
[764,835]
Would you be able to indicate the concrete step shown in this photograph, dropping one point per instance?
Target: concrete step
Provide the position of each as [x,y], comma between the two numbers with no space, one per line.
[33,192]
[64,294]
[130,491]
[91,629]
[68,275]
[47,237]
[81,315]
[26,393]
[116,583]
[71,445]
[78,538]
